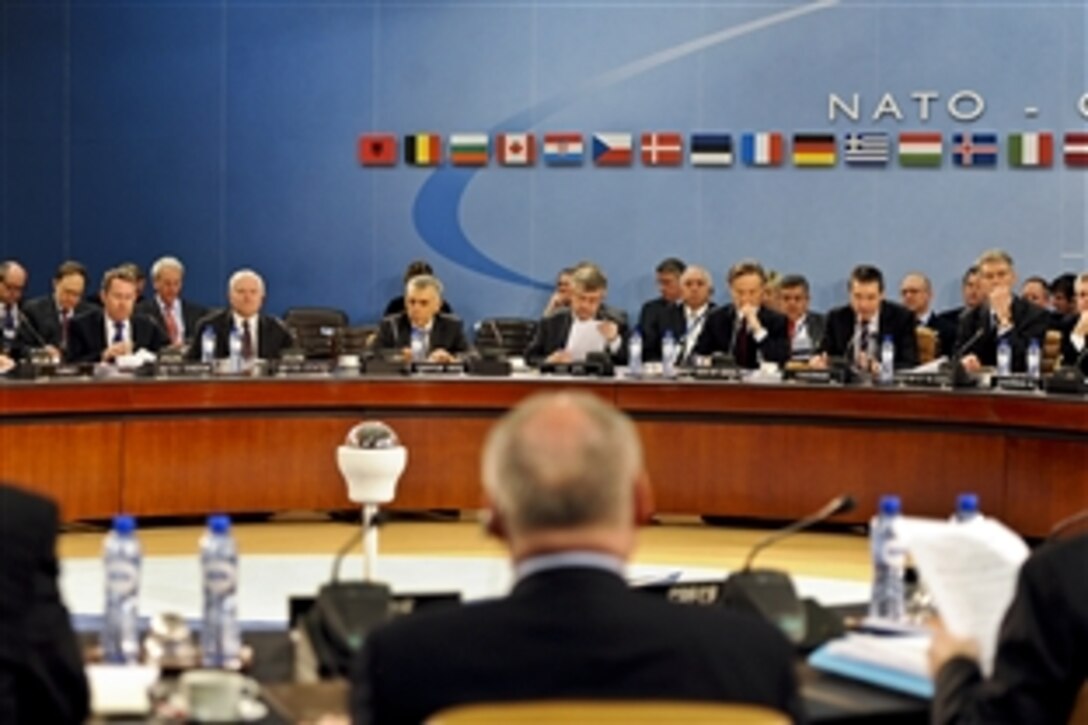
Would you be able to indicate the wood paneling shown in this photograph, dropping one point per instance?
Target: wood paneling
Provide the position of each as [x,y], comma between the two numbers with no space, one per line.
[1049,482]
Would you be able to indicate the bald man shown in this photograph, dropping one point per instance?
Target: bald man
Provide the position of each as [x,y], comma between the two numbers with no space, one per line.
[12,284]
[916,292]
[262,336]
[566,485]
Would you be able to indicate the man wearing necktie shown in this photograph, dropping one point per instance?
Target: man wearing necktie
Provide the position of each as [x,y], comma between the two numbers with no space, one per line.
[1002,315]
[443,335]
[51,315]
[805,327]
[659,314]
[746,329]
[1075,328]
[855,331]
[115,330]
[262,336]
[176,315]
[12,283]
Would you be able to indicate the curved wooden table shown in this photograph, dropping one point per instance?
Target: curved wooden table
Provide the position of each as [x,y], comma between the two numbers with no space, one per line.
[166,447]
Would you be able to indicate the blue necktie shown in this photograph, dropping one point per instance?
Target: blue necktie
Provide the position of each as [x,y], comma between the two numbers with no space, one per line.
[118,332]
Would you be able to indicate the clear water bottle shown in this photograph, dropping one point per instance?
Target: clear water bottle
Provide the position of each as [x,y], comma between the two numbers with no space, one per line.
[121,558]
[220,636]
[207,345]
[887,361]
[1004,357]
[967,509]
[889,563]
[416,346]
[668,355]
[634,354]
[1035,359]
[234,351]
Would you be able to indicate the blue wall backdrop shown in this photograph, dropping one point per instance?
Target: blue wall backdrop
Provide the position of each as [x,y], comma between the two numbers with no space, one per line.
[224,132]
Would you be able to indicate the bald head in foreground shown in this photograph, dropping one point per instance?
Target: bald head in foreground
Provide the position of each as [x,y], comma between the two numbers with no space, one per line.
[566,486]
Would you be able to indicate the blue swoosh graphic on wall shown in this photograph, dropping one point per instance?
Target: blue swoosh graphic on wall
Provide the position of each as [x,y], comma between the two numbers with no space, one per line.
[435,212]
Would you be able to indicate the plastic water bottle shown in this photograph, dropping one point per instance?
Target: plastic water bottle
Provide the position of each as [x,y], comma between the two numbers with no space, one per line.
[1035,362]
[889,562]
[668,355]
[207,345]
[220,637]
[887,360]
[1004,357]
[634,354]
[966,508]
[417,345]
[121,624]
[235,351]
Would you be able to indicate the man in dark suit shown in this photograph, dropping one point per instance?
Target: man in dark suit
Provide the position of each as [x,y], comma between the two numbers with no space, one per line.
[1002,315]
[746,329]
[41,670]
[443,335]
[804,327]
[1041,663]
[969,290]
[13,278]
[50,317]
[1075,328]
[684,321]
[176,316]
[916,291]
[569,335]
[656,314]
[106,333]
[262,336]
[856,330]
[566,484]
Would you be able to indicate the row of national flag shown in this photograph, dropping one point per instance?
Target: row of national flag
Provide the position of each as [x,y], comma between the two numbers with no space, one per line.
[979,149]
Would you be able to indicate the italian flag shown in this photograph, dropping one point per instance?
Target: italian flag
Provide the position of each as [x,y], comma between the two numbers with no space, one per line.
[1031,149]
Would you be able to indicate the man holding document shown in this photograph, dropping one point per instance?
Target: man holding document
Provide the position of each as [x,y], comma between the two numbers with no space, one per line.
[1041,663]
[570,335]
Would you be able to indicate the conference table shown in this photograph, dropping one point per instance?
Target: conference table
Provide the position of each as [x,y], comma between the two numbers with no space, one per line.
[771,451]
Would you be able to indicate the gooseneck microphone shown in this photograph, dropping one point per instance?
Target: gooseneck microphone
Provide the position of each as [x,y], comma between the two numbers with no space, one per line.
[498,333]
[24,322]
[838,505]
[962,349]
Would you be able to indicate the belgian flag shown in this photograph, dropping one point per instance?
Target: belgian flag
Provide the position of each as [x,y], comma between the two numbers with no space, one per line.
[423,149]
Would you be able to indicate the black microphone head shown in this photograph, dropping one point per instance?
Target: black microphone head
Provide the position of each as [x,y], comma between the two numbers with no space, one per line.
[846,504]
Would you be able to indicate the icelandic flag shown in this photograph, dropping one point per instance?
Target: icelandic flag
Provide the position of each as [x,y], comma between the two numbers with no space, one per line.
[974,150]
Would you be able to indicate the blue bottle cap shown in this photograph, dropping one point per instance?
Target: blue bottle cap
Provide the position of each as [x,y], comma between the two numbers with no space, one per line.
[967,503]
[124,524]
[890,505]
[219,524]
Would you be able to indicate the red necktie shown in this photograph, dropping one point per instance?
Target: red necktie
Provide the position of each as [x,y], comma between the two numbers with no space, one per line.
[171,324]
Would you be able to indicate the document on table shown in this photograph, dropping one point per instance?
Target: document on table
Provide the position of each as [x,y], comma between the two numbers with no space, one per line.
[970,569]
[584,339]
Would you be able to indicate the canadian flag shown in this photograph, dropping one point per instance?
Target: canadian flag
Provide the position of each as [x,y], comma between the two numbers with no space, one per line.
[516,149]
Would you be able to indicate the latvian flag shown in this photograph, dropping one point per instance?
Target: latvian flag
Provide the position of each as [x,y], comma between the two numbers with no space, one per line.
[1076,149]
[468,149]
[612,149]
[516,149]
[1031,149]
[813,149]
[920,149]
[866,148]
[378,149]
[662,149]
[761,149]
[423,149]
[563,149]
[974,149]
[711,149]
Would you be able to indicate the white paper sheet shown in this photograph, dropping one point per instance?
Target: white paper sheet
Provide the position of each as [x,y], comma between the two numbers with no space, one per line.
[971,570]
[584,338]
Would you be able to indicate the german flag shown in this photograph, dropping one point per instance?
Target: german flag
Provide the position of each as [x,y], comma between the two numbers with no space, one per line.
[814,149]
[423,149]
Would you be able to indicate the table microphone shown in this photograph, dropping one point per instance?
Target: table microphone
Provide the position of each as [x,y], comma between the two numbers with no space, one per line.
[1069,379]
[24,321]
[958,375]
[770,594]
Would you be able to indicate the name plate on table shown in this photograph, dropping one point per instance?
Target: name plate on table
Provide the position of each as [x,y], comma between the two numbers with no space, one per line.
[576,369]
[1015,382]
[384,366]
[66,370]
[713,373]
[489,367]
[399,604]
[923,380]
[702,594]
[304,367]
[817,377]
[183,369]
[433,368]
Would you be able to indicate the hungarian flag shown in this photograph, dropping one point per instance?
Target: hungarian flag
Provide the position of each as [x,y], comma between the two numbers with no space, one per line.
[468,149]
[813,149]
[1076,149]
[516,149]
[1031,149]
[975,150]
[662,149]
[612,149]
[761,149]
[377,149]
[920,149]
[423,149]
[711,149]
[563,148]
